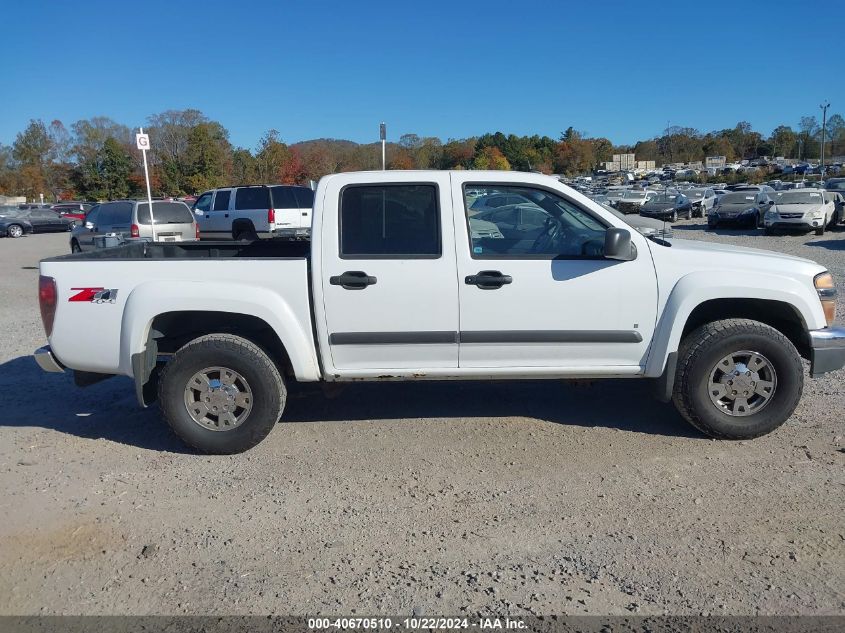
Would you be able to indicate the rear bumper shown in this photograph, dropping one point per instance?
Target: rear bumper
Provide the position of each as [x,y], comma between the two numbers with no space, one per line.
[827,350]
[292,233]
[47,361]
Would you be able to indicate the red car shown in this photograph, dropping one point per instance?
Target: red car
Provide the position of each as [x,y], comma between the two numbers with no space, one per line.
[72,209]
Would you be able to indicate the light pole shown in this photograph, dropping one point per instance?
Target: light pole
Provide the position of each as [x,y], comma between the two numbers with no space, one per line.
[382,132]
[824,108]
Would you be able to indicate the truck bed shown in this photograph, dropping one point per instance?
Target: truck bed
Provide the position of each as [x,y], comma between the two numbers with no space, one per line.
[107,298]
[139,250]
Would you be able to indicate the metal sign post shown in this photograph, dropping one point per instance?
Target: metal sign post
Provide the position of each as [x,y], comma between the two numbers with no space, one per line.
[382,132]
[143,142]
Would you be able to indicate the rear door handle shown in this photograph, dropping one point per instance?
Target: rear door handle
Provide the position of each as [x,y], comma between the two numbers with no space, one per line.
[488,280]
[353,280]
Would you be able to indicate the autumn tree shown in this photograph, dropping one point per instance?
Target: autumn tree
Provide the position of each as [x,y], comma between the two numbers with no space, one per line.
[208,157]
[491,158]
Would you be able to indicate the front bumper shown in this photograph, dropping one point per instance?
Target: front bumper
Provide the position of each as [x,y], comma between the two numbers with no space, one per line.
[827,350]
[47,360]
[747,219]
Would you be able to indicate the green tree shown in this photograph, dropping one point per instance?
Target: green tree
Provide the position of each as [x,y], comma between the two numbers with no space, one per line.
[784,141]
[208,157]
[270,157]
[31,150]
[243,167]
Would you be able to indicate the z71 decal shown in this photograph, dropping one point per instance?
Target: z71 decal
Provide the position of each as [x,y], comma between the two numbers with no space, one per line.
[95,295]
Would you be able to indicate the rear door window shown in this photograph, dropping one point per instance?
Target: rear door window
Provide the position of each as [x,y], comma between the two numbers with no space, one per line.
[283,198]
[165,213]
[390,222]
[221,200]
[252,198]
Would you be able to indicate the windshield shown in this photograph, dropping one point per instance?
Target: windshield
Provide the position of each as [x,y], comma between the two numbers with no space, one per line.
[635,195]
[799,197]
[737,198]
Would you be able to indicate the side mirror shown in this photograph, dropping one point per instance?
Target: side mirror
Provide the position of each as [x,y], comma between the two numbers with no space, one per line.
[617,245]
[771,202]
[89,226]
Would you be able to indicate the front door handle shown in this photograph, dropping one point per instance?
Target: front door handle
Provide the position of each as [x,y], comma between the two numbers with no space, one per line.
[353,280]
[488,280]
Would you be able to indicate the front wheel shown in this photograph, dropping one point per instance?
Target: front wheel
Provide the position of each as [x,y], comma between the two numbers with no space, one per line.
[675,215]
[689,213]
[820,230]
[74,247]
[14,230]
[737,379]
[221,394]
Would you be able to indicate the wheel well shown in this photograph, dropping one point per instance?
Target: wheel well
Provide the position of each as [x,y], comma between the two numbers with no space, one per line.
[242,225]
[779,315]
[172,330]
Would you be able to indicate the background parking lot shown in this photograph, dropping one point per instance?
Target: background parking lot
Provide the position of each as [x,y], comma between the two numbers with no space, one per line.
[507,497]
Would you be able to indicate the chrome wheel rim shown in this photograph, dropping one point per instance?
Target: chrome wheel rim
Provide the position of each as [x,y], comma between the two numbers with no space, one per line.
[742,383]
[15,231]
[218,398]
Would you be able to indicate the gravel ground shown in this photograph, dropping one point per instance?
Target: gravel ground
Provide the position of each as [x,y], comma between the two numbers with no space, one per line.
[425,498]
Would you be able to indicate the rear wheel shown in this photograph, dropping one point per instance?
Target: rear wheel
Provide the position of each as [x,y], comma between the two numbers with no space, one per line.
[675,215]
[14,230]
[221,394]
[737,379]
[74,247]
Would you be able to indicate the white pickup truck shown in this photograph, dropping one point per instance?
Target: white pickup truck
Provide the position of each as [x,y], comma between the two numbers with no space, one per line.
[395,285]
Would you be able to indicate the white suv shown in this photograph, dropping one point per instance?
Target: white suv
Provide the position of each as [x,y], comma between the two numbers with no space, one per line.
[255,211]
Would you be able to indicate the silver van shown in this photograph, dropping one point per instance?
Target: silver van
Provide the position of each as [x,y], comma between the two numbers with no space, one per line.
[130,220]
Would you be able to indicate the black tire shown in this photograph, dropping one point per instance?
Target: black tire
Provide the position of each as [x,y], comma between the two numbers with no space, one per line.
[74,247]
[699,354]
[820,230]
[674,215]
[14,231]
[244,357]
[759,220]
[768,231]
[689,213]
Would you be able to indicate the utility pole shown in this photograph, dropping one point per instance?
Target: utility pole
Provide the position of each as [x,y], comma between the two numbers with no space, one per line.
[824,108]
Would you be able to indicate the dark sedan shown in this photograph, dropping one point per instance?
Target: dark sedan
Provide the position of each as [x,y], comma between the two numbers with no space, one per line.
[13,223]
[745,208]
[668,206]
[46,221]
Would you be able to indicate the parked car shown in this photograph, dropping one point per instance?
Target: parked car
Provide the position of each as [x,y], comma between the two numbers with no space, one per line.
[802,209]
[14,223]
[743,208]
[255,211]
[702,200]
[633,200]
[43,220]
[494,200]
[130,220]
[76,210]
[649,227]
[218,331]
[669,206]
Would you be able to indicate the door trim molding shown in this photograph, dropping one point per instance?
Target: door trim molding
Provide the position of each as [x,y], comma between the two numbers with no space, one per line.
[485,337]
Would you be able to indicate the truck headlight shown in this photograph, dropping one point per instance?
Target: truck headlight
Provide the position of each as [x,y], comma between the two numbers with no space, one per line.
[827,295]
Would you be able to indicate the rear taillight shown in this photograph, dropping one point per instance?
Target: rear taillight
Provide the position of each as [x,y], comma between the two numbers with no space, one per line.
[134,231]
[47,299]
[271,216]
[197,230]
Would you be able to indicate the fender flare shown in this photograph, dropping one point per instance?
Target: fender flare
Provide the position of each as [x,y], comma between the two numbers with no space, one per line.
[149,300]
[695,288]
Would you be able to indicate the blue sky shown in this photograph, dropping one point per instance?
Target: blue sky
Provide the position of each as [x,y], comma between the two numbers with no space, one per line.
[450,69]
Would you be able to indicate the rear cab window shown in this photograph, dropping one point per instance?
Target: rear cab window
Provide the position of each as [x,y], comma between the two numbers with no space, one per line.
[390,221]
